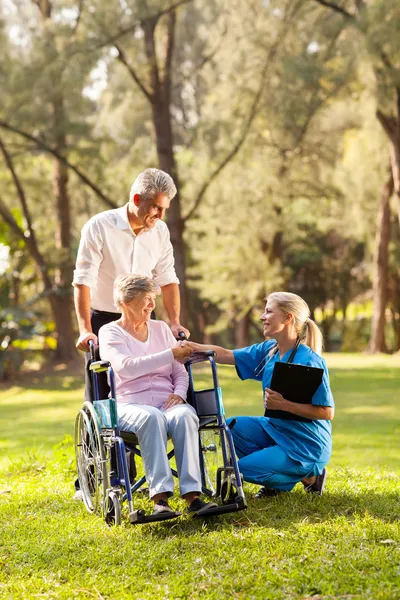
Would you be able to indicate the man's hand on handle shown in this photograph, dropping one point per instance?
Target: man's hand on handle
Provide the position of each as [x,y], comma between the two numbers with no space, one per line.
[83,341]
[177,328]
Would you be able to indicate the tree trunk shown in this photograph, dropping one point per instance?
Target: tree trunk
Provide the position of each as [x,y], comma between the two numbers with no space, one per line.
[166,162]
[381,260]
[65,334]
[242,332]
[64,324]
[394,299]
[161,112]
[395,164]
[61,299]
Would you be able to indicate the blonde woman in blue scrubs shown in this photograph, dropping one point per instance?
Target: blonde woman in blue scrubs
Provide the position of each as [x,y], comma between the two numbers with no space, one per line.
[278,453]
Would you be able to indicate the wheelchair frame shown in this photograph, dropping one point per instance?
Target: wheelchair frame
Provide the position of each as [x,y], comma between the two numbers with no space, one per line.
[101,450]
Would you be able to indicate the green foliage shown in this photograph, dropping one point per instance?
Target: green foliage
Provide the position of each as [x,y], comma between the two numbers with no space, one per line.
[313,158]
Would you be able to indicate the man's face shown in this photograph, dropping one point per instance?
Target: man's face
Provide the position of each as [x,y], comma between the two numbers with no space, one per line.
[151,210]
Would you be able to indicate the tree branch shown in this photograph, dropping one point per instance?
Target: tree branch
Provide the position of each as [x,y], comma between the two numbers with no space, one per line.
[336,8]
[122,58]
[246,129]
[78,18]
[29,240]
[49,150]
[150,49]
[169,55]
[388,124]
[139,23]
[170,9]
[205,59]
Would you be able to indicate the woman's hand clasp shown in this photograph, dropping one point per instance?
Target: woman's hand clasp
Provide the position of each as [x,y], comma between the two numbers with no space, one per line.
[182,352]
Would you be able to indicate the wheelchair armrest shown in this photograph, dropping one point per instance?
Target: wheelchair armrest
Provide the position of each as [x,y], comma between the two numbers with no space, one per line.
[99,366]
[199,357]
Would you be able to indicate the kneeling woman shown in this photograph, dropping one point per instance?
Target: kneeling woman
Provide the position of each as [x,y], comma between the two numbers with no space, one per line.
[278,453]
[151,387]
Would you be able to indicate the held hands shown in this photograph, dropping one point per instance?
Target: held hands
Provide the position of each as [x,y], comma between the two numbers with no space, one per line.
[194,346]
[274,400]
[172,400]
[83,341]
[182,352]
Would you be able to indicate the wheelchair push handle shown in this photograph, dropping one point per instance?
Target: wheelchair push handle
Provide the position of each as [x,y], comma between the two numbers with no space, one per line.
[92,349]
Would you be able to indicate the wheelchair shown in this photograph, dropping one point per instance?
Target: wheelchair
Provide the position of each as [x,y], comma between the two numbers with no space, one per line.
[105,455]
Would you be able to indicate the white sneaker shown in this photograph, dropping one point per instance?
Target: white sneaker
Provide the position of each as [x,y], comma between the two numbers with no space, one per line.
[78,496]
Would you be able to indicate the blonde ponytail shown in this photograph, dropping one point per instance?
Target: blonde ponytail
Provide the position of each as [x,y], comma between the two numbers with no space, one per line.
[307,330]
[313,336]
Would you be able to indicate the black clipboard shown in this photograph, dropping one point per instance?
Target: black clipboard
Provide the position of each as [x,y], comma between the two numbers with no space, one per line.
[296,383]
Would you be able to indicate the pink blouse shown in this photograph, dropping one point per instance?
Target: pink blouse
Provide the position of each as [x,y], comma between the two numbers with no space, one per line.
[145,372]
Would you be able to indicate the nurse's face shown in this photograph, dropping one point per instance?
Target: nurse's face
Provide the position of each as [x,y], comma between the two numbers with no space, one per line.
[274,319]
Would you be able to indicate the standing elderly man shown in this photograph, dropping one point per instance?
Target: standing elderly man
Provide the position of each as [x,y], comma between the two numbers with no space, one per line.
[130,239]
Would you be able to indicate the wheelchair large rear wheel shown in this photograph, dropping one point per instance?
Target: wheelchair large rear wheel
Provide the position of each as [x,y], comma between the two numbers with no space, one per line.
[91,459]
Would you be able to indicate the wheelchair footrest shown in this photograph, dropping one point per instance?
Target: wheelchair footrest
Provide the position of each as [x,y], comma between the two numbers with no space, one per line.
[138,517]
[240,504]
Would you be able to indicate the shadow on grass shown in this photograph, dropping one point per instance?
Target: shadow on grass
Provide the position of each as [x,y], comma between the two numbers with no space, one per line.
[54,381]
[282,514]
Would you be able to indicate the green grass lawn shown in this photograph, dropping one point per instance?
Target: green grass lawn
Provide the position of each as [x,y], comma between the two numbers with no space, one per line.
[345,544]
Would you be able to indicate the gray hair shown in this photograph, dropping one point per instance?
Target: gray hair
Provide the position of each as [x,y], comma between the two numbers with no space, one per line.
[128,287]
[152,182]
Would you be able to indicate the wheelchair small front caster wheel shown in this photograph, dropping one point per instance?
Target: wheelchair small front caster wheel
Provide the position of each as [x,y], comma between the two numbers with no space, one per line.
[112,509]
[229,489]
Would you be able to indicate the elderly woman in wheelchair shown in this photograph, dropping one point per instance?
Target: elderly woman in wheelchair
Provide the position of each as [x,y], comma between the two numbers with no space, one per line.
[151,387]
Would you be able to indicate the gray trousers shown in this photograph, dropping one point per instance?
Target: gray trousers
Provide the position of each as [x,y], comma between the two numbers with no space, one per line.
[153,427]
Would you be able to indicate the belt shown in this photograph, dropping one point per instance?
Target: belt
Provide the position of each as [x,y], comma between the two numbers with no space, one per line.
[104,312]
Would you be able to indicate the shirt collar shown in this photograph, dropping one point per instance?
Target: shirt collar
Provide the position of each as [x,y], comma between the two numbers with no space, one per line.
[123,221]
[122,217]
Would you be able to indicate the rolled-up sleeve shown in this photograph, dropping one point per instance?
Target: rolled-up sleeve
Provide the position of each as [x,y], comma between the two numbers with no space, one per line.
[164,271]
[90,255]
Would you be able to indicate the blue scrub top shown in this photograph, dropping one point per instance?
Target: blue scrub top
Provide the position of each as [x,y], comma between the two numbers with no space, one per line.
[310,443]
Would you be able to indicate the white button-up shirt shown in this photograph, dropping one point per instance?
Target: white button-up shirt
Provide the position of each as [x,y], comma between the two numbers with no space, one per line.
[109,248]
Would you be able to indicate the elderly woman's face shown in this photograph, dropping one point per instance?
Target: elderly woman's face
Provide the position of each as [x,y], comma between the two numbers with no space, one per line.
[141,307]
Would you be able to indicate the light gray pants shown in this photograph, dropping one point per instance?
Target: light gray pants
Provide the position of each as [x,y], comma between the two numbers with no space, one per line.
[152,427]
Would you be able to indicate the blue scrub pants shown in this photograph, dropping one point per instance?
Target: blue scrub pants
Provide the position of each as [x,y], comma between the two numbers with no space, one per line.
[261,461]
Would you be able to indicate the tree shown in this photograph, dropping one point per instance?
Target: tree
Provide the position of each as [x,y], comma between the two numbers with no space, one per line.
[42,89]
[377,24]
